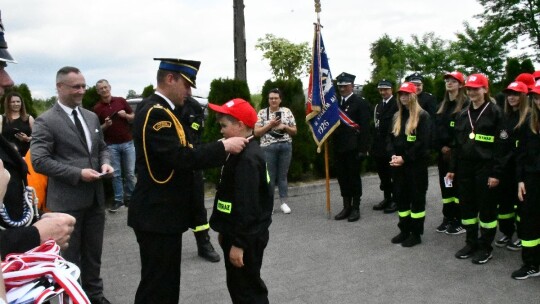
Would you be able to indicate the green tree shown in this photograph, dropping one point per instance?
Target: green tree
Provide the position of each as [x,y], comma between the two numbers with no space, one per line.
[42,105]
[287,60]
[429,54]
[527,66]
[480,50]
[147,91]
[90,98]
[388,58]
[513,68]
[132,94]
[514,19]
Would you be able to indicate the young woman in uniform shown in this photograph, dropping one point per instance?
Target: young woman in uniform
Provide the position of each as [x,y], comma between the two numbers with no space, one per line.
[408,144]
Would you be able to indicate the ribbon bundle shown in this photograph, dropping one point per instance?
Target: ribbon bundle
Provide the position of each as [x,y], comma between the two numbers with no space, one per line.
[41,274]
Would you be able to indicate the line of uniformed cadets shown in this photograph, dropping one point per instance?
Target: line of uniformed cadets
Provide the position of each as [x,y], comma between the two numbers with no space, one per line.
[478,146]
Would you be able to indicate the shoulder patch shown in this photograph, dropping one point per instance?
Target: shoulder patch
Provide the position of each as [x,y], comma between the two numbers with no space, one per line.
[503,134]
[162,124]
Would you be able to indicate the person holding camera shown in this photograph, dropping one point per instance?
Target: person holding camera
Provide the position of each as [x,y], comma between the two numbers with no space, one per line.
[276,126]
[16,124]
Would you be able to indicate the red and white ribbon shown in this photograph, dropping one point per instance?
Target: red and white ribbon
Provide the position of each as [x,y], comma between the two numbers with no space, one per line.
[41,273]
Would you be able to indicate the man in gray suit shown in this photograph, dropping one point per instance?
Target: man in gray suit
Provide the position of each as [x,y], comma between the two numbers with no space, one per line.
[68,146]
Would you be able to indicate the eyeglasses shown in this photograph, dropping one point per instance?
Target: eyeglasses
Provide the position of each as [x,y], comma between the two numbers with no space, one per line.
[76,87]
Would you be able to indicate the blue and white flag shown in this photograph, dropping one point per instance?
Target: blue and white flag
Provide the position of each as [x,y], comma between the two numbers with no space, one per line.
[322,110]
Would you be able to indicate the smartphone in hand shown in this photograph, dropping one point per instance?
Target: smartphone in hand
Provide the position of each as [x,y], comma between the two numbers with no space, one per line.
[113,115]
[277,114]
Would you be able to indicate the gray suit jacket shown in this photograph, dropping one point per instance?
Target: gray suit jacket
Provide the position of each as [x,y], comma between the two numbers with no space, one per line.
[59,152]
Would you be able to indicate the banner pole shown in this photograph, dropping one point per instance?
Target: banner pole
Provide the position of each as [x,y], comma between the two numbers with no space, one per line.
[327,170]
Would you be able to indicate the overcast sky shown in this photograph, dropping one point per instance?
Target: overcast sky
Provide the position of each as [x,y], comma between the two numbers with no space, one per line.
[117,39]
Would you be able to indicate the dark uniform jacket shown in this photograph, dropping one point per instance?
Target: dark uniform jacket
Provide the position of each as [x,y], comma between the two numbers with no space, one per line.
[444,127]
[428,102]
[510,122]
[383,117]
[15,239]
[346,138]
[161,201]
[244,200]
[490,140]
[528,152]
[415,147]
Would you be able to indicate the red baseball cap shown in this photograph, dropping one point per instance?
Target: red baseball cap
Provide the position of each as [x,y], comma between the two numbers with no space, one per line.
[407,87]
[456,75]
[527,79]
[477,81]
[536,90]
[239,109]
[517,86]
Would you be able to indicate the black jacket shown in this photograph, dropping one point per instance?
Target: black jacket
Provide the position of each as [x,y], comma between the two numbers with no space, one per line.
[528,153]
[491,138]
[15,239]
[383,117]
[161,201]
[346,138]
[444,126]
[415,147]
[244,201]
[428,102]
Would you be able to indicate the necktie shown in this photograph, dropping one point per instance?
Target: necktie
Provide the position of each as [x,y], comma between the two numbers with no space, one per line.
[342,100]
[79,126]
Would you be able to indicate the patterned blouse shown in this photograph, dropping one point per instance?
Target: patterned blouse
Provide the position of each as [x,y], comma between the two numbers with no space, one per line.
[264,117]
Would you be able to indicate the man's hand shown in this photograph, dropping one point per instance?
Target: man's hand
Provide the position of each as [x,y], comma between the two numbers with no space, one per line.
[56,226]
[521,191]
[236,256]
[4,180]
[235,145]
[89,175]
[492,182]
[106,170]
[396,161]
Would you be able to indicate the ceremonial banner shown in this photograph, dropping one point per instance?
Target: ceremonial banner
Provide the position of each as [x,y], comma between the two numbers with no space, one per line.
[322,110]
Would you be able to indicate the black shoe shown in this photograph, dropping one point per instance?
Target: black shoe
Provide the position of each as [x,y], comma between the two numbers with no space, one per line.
[400,238]
[514,246]
[455,228]
[101,300]
[343,214]
[207,252]
[465,252]
[116,206]
[354,216]
[443,226]
[392,207]
[127,201]
[503,241]
[525,272]
[412,240]
[381,205]
[482,256]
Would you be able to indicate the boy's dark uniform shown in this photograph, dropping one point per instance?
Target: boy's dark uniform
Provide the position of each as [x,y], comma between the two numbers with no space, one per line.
[161,210]
[242,214]
[192,114]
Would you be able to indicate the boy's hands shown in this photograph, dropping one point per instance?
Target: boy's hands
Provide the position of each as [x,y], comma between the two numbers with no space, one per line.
[236,256]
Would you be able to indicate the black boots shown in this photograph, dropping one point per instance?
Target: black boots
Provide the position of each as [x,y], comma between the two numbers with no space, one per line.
[355,211]
[381,205]
[205,248]
[346,209]
[391,208]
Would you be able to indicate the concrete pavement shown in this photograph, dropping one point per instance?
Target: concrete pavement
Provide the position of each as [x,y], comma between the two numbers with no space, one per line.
[311,259]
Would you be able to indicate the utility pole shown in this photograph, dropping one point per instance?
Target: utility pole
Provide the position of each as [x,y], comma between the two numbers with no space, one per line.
[239,41]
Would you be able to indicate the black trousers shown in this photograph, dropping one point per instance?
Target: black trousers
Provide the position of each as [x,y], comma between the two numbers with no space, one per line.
[348,173]
[450,199]
[478,203]
[85,247]
[160,267]
[529,225]
[245,284]
[410,183]
[508,199]
[199,220]
[385,175]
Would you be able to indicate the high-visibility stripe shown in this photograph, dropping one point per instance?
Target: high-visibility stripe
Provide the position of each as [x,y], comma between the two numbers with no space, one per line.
[418,215]
[484,138]
[517,143]
[404,213]
[452,124]
[195,126]
[202,227]
[518,219]
[529,244]
[411,137]
[506,216]
[224,207]
[450,200]
[489,225]
[469,221]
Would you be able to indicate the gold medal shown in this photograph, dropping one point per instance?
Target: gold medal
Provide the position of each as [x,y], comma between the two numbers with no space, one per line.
[471,135]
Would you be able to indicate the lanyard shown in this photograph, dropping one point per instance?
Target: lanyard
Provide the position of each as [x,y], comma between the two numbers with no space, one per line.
[471,135]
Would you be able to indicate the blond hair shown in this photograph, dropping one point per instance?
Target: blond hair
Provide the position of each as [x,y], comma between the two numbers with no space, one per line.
[414,116]
[535,118]
[523,109]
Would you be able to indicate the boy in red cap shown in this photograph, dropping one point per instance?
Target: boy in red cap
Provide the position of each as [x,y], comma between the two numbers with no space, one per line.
[243,206]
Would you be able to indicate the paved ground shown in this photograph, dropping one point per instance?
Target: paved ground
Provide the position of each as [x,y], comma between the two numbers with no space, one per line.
[311,259]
